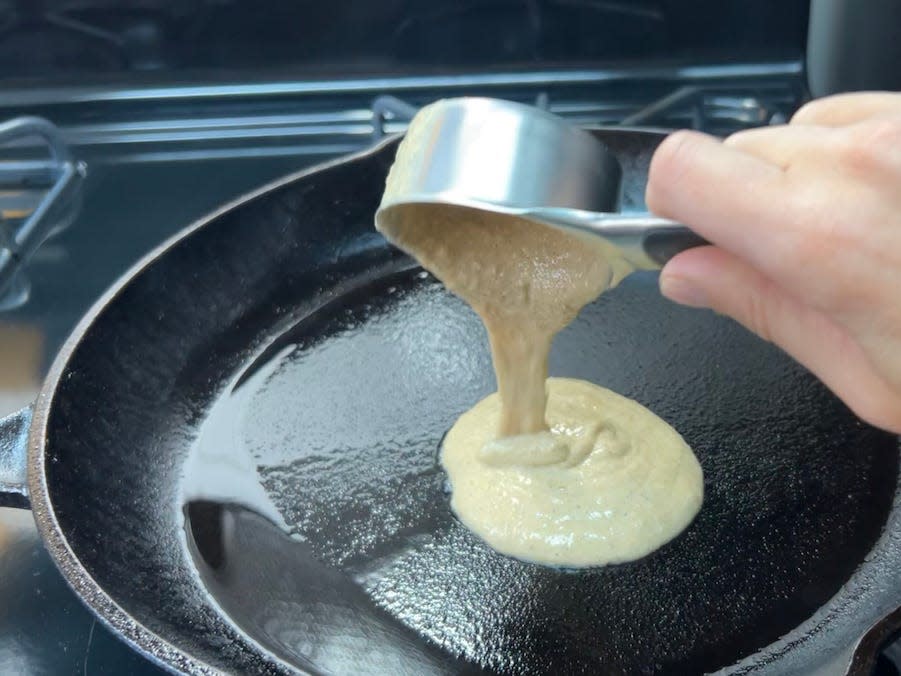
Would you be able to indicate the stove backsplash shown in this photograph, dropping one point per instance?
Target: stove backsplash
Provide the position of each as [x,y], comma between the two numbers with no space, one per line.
[91,41]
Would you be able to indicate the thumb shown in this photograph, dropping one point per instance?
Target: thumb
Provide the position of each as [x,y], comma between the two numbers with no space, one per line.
[713,278]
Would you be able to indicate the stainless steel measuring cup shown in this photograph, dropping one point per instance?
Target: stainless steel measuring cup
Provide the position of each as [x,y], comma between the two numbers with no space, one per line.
[515,159]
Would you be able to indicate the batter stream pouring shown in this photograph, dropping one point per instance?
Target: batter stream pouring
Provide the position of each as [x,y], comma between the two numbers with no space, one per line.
[556,471]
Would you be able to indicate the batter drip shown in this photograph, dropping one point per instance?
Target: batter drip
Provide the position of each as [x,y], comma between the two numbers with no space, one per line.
[555,471]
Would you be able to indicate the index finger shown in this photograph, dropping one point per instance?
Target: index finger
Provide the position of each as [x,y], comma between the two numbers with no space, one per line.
[732,199]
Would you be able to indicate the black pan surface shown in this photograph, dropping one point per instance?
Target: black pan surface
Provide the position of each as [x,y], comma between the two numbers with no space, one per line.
[242,454]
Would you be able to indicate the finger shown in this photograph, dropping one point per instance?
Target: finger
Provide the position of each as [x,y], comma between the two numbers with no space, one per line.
[783,145]
[845,109]
[729,197]
[711,277]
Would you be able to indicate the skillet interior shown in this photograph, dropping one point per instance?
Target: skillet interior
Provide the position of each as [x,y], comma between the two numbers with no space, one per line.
[342,417]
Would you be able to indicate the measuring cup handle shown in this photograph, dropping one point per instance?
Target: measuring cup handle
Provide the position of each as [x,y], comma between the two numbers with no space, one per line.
[662,245]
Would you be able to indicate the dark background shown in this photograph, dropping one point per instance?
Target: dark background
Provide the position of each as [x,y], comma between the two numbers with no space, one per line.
[103,40]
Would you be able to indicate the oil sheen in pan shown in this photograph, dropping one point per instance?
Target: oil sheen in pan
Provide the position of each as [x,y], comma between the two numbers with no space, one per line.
[316,511]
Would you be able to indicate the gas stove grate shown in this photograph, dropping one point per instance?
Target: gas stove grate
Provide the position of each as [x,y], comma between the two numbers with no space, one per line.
[316,120]
[718,110]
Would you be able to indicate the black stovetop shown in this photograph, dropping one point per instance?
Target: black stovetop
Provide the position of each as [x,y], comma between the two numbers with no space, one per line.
[87,40]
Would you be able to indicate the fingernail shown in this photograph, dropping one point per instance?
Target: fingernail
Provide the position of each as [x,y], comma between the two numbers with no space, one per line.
[683,291]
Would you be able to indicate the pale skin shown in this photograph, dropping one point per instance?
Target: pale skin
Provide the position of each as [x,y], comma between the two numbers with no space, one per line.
[805,222]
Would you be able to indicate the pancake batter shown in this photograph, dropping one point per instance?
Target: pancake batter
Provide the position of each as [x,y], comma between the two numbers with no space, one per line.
[555,471]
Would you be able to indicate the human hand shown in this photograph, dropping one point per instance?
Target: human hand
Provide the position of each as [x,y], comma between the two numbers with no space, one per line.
[805,219]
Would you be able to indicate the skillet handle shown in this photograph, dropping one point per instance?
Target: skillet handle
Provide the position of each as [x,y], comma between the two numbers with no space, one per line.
[863,660]
[13,459]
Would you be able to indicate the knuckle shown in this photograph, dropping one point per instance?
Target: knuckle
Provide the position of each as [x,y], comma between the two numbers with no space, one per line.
[671,162]
[808,113]
[737,139]
[871,144]
[748,139]
[678,147]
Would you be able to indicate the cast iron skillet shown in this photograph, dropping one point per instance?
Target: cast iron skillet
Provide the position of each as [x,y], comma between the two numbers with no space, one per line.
[234,463]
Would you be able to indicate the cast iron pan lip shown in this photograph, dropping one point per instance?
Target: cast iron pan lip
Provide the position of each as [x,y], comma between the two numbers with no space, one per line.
[168,656]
